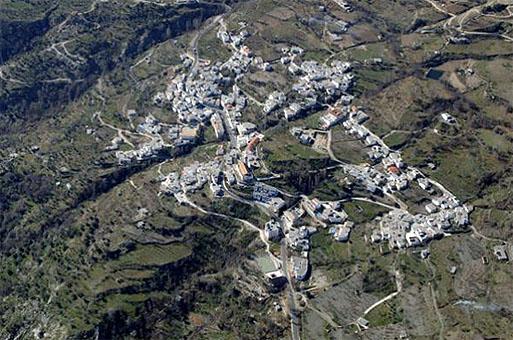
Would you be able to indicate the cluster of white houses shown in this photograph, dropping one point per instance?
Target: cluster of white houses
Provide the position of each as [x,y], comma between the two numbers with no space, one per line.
[402,229]
[208,94]
[318,85]
[275,100]
[144,151]
[290,224]
[297,238]
[194,177]
[198,100]
[444,213]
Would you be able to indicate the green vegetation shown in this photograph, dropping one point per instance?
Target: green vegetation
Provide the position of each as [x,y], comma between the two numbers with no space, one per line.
[415,271]
[368,51]
[495,141]
[338,260]
[362,212]
[164,221]
[211,48]
[330,256]
[397,139]
[265,264]
[373,79]
[347,148]
[238,209]
[385,314]
[464,172]
[153,255]
[378,281]
[89,249]
[331,189]
[282,146]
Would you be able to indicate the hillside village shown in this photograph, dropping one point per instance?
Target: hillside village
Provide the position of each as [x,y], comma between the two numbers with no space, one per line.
[256,169]
[208,95]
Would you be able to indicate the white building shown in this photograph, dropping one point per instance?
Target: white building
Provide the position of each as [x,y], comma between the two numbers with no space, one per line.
[272,230]
[299,267]
[342,233]
[217,124]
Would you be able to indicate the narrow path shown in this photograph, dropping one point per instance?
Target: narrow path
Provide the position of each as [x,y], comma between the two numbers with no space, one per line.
[440,9]
[192,51]
[268,178]
[326,317]
[368,200]
[437,311]
[248,224]
[401,204]
[433,297]
[391,132]
[491,239]
[81,60]
[120,132]
[10,79]
[330,150]
[461,18]
[251,98]
[143,59]
[57,80]
[388,297]
[236,197]
[133,184]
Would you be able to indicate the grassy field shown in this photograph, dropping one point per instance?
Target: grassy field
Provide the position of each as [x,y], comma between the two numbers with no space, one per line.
[150,255]
[387,313]
[347,148]
[363,212]
[397,139]
[496,142]
[370,80]
[282,146]
[212,48]
[404,105]
[474,282]
[338,260]
[369,51]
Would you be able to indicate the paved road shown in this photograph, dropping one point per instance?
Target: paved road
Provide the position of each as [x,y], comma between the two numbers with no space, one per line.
[193,45]
[229,128]
[461,18]
[388,297]
[365,199]
[291,302]
[330,151]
